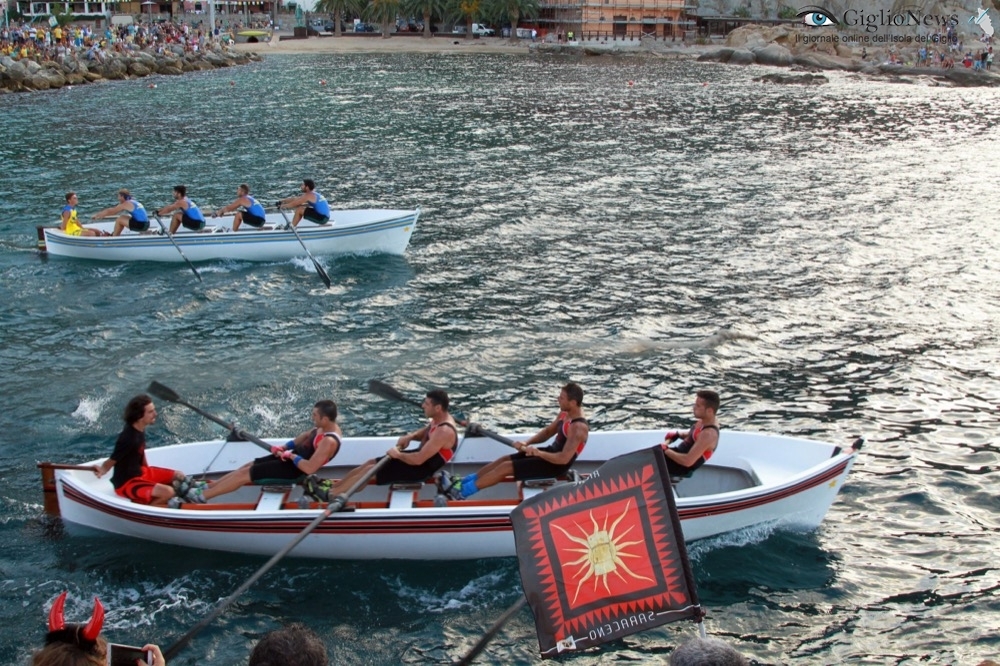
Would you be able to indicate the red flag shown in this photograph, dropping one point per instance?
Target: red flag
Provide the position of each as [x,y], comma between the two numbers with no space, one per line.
[605,558]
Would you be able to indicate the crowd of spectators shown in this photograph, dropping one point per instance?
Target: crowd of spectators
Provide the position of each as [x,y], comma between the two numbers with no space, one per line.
[81,41]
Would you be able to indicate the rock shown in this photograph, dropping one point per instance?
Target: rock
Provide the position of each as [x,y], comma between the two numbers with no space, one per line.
[114,69]
[794,79]
[741,57]
[37,81]
[17,72]
[773,54]
[55,77]
[32,66]
[719,55]
[170,69]
[136,68]
[92,77]
[75,79]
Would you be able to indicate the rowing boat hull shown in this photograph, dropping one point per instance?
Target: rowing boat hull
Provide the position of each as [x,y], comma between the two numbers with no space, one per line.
[372,231]
[761,479]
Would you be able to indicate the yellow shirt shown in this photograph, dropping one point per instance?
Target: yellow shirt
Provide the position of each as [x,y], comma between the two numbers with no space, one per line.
[73,227]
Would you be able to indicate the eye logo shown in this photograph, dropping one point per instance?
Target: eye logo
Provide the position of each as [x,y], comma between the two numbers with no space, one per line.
[816,17]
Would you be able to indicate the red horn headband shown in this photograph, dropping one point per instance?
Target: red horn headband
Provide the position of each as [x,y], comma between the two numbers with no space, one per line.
[96,623]
[57,620]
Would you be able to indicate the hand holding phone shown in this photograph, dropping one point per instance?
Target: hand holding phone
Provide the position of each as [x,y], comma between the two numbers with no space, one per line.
[128,655]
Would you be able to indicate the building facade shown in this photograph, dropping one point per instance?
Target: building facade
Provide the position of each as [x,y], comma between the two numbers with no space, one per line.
[616,19]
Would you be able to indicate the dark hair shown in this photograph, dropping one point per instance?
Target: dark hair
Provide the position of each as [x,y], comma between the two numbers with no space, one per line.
[327,408]
[710,398]
[181,190]
[136,408]
[706,652]
[69,195]
[574,392]
[308,182]
[60,653]
[439,397]
[245,188]
[294,645]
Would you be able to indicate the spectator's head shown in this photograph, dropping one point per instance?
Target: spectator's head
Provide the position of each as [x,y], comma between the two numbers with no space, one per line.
[294,645]
[706,652]
[73,644]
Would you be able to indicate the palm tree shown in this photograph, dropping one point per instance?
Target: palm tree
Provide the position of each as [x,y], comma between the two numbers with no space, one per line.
[512,11]
[467,10]
[383,12]
[338,9]
[426,8]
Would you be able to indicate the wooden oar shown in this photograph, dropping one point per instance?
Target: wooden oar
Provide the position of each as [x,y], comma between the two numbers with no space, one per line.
[171,237]
[383,390]
[319,269]
[168,394]
[476,430]
[336,505]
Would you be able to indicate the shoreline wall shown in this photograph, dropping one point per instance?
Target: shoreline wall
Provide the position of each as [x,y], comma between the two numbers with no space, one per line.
[29,75]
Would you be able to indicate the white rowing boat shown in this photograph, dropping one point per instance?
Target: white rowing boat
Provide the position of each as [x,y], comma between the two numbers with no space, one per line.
[752,479]
[369,231]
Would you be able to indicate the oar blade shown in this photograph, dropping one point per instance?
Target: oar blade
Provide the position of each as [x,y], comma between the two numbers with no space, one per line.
[383,390]
[163,392]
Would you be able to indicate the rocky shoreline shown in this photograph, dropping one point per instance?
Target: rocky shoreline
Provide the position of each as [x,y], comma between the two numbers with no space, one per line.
[790,47]
[29,75]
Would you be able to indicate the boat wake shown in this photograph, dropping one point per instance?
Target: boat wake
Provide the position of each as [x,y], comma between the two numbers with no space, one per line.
[747,536]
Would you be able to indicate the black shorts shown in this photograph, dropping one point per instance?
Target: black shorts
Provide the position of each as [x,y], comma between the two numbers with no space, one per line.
[191,223]
[253,220]
[311,215]
[526,468]
[136,225]
[397,471]
[269,469]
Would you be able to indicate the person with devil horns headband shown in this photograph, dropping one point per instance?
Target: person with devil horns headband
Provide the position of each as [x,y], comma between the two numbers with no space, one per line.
[70,644]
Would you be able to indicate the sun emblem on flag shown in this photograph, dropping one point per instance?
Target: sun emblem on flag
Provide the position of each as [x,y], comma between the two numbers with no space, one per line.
[603,553]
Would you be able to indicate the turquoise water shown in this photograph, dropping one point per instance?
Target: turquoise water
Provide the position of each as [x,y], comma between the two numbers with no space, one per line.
[575,227]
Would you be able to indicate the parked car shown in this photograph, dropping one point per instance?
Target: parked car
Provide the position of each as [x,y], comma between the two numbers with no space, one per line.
[364,27]
[478,29]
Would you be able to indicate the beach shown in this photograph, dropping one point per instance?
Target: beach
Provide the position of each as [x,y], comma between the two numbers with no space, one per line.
[350,43]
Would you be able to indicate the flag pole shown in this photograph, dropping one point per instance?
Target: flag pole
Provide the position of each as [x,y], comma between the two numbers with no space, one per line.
[491,632]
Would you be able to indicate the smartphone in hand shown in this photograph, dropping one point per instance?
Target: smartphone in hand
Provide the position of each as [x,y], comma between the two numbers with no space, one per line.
[127,655]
